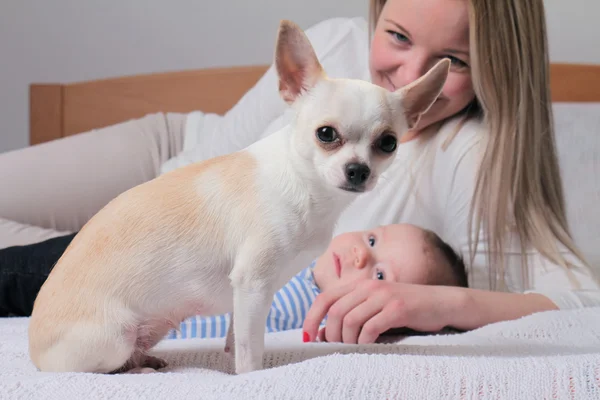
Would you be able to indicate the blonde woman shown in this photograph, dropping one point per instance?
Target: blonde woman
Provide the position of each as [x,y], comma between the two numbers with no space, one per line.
[486,174]
[480,170]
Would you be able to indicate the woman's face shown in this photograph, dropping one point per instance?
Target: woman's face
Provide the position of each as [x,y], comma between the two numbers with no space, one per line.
[411,36]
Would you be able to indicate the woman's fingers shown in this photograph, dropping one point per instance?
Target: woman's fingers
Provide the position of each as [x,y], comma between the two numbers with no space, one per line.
[364,323]
[321,308]
[347,309]
[361,312]
[355,319]
[339,311]
[375,326]
[321,335]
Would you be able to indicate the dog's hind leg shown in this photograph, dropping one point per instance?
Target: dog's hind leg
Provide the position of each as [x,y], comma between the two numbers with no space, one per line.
[141,362]
[230,339]
[88,347]
[147,336]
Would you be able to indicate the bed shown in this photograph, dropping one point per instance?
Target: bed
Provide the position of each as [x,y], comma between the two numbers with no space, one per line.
[546,355]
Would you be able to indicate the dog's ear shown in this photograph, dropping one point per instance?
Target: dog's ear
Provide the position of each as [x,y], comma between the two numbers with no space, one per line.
[419,96]
[296,62]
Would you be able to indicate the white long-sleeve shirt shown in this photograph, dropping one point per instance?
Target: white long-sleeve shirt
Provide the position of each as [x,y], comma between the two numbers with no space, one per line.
[426,185]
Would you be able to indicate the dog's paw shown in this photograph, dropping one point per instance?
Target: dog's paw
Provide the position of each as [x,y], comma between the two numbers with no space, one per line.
[153,363]
[248,363]
[141,363]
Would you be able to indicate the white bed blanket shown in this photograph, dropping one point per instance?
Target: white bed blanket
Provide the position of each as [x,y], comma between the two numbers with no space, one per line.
[551,355]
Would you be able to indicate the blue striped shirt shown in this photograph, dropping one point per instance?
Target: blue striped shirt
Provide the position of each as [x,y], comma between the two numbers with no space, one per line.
[288,311]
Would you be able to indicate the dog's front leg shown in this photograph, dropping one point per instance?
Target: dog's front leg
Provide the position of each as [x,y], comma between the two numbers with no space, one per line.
[251,302]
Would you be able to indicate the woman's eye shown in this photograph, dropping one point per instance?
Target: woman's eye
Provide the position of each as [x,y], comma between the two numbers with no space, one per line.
[371,241]
[398,36]
[380,275]
[456,62]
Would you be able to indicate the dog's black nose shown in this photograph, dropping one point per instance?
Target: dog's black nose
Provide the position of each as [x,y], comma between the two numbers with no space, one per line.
[357,173]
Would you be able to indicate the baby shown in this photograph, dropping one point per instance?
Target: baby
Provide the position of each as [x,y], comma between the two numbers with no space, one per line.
[400,252]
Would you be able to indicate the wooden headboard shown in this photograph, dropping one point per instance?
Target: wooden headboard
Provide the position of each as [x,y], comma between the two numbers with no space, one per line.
[59,110]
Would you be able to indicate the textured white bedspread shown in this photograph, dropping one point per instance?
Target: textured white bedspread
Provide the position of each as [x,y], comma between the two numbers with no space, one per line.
[552,355]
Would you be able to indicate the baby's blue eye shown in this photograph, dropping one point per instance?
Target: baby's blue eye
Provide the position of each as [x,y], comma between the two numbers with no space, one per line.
[380,276]
[371,241]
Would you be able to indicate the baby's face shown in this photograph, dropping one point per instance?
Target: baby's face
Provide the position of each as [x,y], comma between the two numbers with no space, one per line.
[396,253]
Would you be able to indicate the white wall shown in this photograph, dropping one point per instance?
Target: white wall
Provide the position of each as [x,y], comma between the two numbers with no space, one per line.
[73,40]
[573,30]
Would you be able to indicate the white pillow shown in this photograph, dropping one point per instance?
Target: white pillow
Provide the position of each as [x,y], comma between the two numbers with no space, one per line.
[16,234]
[577,127]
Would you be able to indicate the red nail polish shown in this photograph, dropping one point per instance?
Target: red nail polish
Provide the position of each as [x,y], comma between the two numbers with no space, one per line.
[305,337]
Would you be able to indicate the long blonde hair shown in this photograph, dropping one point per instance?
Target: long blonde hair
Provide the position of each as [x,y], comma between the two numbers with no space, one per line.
[519,178]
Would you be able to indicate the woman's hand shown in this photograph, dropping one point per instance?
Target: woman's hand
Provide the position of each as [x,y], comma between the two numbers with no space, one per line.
[361,311]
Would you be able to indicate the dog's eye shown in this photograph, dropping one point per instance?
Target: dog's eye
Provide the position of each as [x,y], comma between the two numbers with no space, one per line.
[326,134]
[387,143]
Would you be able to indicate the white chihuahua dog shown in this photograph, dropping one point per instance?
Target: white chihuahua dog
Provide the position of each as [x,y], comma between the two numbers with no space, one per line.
[223,235]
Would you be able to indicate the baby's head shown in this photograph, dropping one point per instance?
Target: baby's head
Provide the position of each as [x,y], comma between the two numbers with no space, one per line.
[400,253]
